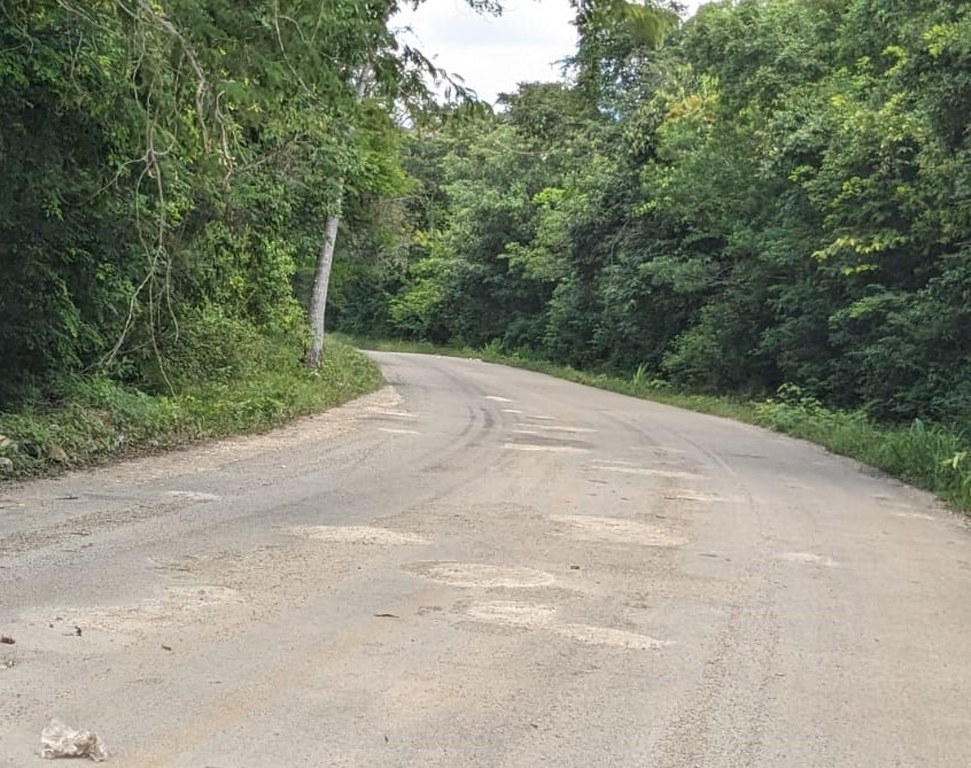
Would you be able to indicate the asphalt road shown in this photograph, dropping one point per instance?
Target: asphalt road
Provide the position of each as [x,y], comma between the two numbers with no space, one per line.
[480,566]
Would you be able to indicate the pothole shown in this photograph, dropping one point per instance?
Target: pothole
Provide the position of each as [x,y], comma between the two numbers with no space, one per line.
[618,638]
[356,534]
[483,575]
[619,530]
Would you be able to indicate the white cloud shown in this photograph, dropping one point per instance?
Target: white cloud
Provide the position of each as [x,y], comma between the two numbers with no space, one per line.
[494,54]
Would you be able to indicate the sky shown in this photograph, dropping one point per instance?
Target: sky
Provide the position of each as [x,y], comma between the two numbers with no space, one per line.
[494,54]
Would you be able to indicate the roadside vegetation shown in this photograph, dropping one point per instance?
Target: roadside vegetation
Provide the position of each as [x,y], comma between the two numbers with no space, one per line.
[95,419]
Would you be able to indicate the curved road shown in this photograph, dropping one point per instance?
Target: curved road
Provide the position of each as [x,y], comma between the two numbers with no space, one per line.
[480,566]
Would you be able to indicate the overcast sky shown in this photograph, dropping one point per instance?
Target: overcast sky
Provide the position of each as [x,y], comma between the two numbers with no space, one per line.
[494,54]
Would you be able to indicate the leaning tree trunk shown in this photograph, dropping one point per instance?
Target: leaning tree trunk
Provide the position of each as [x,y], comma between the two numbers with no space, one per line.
[318,301]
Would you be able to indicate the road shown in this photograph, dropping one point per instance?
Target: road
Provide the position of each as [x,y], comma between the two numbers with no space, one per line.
[479,566]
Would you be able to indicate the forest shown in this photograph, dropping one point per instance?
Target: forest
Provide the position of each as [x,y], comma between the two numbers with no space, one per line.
[771,194]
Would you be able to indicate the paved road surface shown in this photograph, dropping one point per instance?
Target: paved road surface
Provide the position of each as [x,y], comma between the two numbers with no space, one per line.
[486,567]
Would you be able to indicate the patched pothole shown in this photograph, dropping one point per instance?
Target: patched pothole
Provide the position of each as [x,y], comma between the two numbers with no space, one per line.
[615,529]
[482,575]
[357,534]
[527,616]
[806,557]
[510,613]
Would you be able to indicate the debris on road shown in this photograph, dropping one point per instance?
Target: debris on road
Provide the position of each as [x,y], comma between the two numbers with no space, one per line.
[60,740]
[7,640]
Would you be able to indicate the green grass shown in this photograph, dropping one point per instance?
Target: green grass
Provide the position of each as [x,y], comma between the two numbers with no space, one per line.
[928,456]
[97,420]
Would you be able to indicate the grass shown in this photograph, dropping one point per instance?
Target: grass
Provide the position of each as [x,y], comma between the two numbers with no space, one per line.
[929,456]
[99,420]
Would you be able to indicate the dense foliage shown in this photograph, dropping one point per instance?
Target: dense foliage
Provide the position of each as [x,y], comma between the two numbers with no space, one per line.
[781,192]
[167,168]
[775,192]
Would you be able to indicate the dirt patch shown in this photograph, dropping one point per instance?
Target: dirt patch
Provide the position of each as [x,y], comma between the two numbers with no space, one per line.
[396,414]
[913,515]
[356,534]
[176,605]
[698,496]
[806,557]
[482,575]
[616,529]
[647,472]
[618,638]
[193,495]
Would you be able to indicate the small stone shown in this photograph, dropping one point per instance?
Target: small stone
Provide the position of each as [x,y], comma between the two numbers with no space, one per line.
[6,444]
[6,465]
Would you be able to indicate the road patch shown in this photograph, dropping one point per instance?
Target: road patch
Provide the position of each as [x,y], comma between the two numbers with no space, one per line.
[535,447]
[647,472]
[482,575]
[618,638]
[358,534]
[621,530]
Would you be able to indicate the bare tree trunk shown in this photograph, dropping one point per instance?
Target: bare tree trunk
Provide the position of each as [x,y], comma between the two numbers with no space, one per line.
[318,301]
